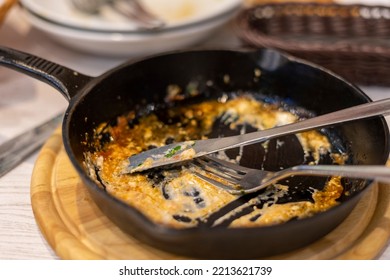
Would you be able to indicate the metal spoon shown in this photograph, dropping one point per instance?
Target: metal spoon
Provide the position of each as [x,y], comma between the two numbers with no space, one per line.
[132,9]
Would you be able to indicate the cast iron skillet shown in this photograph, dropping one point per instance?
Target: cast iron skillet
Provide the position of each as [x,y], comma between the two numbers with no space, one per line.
[137,84]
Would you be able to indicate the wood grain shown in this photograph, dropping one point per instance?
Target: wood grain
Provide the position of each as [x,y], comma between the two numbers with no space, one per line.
[76,229]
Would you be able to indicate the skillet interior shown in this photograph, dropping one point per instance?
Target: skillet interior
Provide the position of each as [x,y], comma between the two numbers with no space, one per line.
[138,85]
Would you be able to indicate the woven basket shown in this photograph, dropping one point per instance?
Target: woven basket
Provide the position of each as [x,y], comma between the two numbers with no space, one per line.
[351,40]
[5,6]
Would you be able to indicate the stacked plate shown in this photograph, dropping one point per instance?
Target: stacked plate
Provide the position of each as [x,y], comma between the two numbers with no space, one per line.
[110,33]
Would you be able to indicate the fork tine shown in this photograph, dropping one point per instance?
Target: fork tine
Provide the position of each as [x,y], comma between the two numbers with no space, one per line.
[226,164]
[232,169]
[218,167]
[214,171]
[231,189]
[231,177]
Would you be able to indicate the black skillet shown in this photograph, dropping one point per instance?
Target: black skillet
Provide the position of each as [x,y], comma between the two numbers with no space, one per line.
[140,84]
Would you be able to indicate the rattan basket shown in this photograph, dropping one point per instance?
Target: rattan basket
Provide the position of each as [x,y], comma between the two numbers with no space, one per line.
[351,40]
[5,6]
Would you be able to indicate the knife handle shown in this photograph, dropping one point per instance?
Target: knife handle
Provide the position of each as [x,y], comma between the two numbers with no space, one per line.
[15,150]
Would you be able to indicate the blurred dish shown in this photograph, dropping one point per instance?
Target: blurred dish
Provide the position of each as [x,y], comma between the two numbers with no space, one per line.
[128,43]
[177,13]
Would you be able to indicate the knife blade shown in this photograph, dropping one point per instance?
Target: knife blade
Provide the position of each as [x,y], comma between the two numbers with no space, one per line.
[17,149]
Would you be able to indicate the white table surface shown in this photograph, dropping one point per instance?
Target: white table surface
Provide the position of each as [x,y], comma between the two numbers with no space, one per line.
[25,103]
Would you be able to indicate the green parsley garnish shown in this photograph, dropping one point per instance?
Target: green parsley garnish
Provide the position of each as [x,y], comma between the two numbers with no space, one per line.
[172,151]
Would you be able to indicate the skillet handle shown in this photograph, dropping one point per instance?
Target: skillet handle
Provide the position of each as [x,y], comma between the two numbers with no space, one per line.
[66,80]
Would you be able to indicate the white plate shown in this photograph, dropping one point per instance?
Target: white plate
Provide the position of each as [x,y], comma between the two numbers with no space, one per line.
[127,44]
[176,13]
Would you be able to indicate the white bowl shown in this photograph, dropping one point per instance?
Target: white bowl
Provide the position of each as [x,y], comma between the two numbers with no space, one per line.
[176,13]
[128,43]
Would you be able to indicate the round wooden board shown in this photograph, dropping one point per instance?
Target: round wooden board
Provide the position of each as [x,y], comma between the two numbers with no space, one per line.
[76,229]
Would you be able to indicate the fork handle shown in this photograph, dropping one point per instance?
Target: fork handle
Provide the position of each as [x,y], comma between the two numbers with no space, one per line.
[375,172]
[376,108]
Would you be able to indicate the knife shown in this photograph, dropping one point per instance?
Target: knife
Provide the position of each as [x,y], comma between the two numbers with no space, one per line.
[177,152]
[15,150]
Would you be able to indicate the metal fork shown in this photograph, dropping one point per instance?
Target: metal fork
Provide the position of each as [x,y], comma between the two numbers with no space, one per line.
[132,9]
[240,180]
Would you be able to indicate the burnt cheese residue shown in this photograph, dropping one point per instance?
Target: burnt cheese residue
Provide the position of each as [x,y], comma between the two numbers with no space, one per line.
[175,197]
